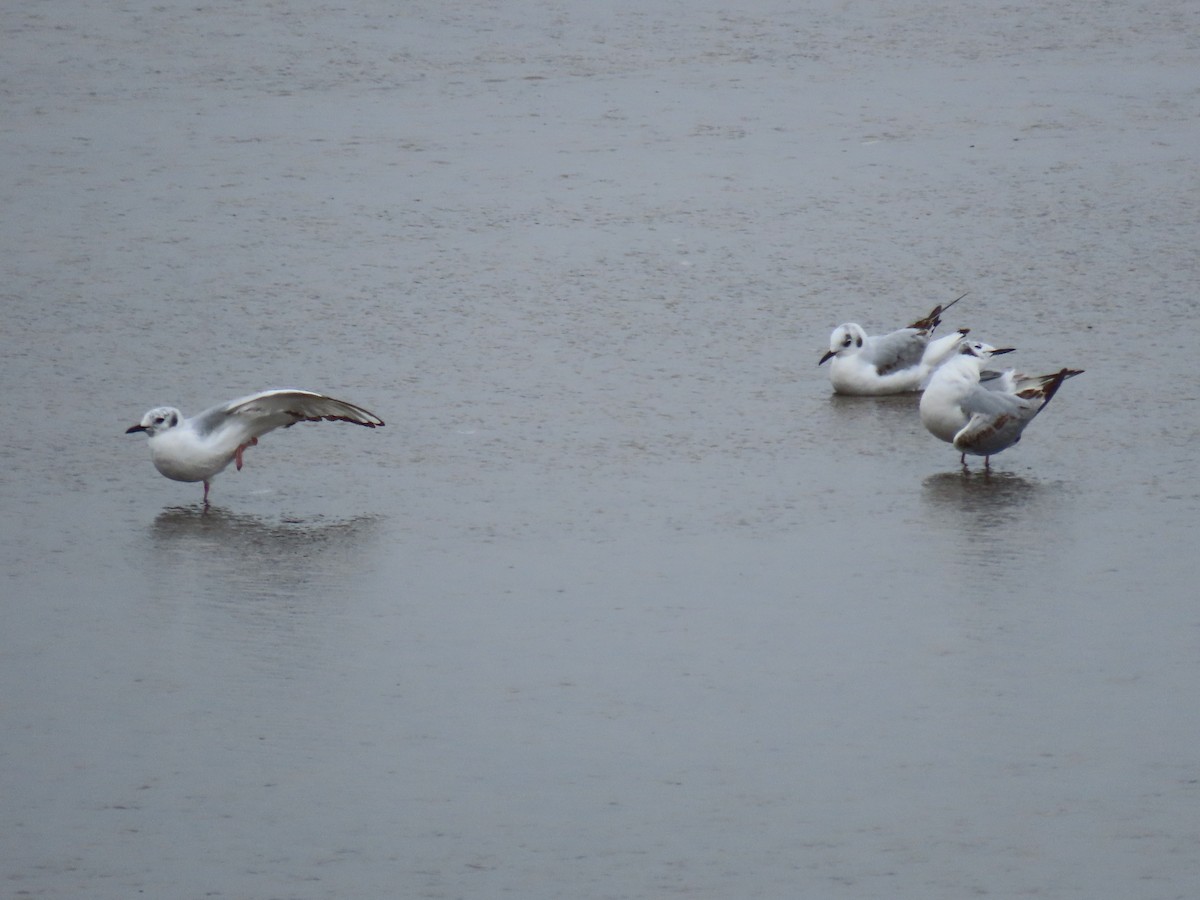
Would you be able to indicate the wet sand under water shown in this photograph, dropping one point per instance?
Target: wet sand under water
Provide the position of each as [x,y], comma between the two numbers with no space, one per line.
[622,602]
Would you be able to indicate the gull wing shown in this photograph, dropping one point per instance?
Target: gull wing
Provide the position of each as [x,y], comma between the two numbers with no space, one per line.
[897,351]
[259,413]
[1042,386]
[984,435]
[934,319]
[996,421]
[995,380]
[983,401]
[997,418]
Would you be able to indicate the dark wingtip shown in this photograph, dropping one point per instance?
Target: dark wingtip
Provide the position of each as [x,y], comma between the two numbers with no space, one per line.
[934,319]
[930,322]
[1059,377]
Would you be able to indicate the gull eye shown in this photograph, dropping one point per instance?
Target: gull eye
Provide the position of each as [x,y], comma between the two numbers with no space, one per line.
[847,341]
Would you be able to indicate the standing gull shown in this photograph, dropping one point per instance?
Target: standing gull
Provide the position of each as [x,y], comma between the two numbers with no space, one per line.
[891,363]
[984,418]
[198,448]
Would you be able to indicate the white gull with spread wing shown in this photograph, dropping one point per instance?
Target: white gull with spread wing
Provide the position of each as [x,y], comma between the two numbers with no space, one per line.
[198,448]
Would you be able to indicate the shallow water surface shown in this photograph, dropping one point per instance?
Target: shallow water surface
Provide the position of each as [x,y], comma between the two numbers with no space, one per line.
[622,602]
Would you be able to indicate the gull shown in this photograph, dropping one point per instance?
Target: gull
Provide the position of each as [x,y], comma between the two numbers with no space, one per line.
[198,448]
[891,363]
[984,417]
[992,379]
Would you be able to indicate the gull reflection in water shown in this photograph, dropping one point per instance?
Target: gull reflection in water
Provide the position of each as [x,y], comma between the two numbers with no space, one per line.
[278,584]
[264,555]
[997,516]
[980,492]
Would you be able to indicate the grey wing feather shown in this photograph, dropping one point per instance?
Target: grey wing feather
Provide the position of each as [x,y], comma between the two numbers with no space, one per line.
[995,381]
[996,420]
[981,401]
[267,410]
[899,350]
[988,434]
[211,419]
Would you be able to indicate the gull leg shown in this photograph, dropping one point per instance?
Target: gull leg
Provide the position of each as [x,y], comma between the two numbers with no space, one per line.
[237,454]
[963,461]
[987,464]
[206,487]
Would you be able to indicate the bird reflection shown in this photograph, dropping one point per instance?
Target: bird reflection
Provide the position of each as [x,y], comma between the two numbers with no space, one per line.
[998,516]
[865,416]
[268,597]
[889,405]
[192,522]
[259,556]
[274,585]
[980,492]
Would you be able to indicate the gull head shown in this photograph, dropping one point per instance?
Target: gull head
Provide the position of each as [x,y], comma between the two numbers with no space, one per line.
[983,351]
[845,339]
[158,420]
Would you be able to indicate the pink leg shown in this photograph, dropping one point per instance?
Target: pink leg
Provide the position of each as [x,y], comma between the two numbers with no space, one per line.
[237,454]
[206,487]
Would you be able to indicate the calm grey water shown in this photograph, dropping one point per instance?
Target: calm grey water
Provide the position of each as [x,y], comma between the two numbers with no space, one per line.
[622,602]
